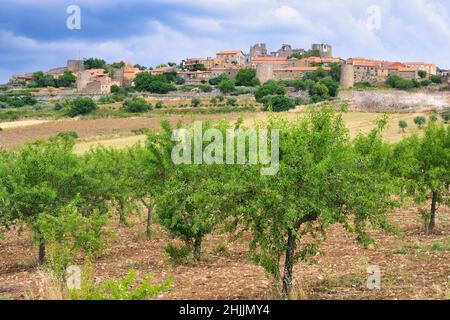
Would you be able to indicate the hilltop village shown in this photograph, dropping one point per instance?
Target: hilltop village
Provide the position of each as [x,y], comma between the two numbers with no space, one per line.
[285,64]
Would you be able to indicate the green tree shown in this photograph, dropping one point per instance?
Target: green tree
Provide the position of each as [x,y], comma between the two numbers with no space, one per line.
[136,105]
[42,80]
[422,164]
[42,179]
[95,63]
[269,89]
[226,86]
[66,80]
[215,81]
[403,125]
[335,72]
[247,77]
[420,121]
[155,84]
[278,103]
[323,179]
[422,74]
[81,106]
[333,86]
[319,92]
[193,200]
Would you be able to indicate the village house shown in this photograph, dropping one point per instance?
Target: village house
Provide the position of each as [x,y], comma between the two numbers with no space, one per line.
[94,81]
[429,68]
[232,58]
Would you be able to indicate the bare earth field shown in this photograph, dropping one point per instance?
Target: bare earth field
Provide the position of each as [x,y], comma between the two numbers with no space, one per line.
[413,265]
[118,132]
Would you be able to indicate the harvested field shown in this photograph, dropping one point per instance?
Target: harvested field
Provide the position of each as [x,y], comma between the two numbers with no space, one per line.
[112,131]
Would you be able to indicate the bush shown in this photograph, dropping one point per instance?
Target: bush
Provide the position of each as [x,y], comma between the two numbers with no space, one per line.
[397,82]
[204,87]
[81,106]
[215,81]
[231,101]
[159,104]
[178,255]
[436,79]
[226,86]
[196,102]
[68,135]
[319,92]
[119,289]
[268,89]
[136,105]
[278,103]
[426,83]
[298,101]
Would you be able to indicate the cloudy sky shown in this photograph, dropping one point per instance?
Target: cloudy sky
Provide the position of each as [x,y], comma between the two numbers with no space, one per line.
[34,35]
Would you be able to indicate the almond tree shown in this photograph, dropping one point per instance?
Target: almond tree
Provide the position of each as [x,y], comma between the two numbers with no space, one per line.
[421,164]
[323,179]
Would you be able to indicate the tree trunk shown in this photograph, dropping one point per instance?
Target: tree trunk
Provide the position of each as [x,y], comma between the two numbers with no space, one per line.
[41,252]
[289,261]
[148,231]
[122,218]
[197,247]
[433,213]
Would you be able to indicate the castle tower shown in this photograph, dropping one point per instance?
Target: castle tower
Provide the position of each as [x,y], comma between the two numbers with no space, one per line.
[264,72]
[326,51]
[347,75]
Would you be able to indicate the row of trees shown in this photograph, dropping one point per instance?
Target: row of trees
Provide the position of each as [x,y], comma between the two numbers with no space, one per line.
[324,178]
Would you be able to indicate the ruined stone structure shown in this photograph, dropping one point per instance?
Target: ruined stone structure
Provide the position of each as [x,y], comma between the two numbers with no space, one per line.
[326,51]
[94,81]
[75,66]
[258,50]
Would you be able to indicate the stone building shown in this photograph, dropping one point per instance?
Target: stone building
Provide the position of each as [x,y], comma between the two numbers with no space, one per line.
[232,58]
[429,68]
[258,50]
[293,73]
[264,72]
[403,72]
[326,51]
[347,75]
[94,81]
[75,66]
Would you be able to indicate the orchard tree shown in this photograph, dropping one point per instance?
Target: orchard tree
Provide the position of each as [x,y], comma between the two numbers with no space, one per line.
[422,165]
[42,178]
[403,125]
[420,121]
[111,171]
[192,201]
[323,179]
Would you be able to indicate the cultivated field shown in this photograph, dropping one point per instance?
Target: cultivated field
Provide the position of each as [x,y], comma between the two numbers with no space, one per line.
[414,265]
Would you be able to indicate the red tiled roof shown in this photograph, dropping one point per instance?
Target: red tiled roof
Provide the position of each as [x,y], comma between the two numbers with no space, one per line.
[229,52]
